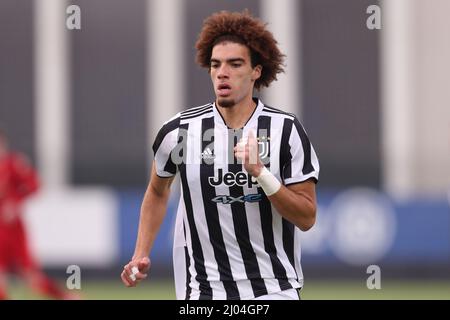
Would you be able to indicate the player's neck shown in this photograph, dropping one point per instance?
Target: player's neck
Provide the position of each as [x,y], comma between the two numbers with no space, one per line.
[237,116]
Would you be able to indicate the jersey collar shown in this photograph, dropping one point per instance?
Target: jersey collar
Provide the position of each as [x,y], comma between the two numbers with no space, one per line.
[219,119]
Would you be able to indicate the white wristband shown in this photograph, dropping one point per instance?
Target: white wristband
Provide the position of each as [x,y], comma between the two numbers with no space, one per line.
[268,182]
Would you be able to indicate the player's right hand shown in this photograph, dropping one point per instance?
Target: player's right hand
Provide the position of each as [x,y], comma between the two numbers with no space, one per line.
[135,271]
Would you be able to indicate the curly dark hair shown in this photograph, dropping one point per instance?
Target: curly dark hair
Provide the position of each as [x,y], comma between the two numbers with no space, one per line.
[245,29]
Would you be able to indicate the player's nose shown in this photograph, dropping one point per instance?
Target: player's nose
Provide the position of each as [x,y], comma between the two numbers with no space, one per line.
[222,72]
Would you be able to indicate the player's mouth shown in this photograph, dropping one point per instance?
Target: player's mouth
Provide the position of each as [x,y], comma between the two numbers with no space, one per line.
[224,89]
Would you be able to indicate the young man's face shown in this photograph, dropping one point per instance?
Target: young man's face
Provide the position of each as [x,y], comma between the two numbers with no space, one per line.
[232,74]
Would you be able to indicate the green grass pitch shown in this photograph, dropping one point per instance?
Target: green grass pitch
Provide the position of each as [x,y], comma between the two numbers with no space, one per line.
[313,290]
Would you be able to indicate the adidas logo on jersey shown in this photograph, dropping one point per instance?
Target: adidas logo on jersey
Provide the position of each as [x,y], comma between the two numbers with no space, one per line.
[207,154]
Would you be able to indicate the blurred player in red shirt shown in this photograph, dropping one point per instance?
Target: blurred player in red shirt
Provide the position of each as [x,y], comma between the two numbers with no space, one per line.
[18,180]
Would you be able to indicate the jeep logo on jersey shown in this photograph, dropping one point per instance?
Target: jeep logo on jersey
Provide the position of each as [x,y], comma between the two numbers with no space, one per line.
[246,198]
[231,179]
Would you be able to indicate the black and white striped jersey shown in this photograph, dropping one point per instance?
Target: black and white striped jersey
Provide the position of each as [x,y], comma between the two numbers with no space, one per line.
[230,242]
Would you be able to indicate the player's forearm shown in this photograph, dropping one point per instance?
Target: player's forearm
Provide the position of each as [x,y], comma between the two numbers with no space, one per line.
[298,208]
[153,211]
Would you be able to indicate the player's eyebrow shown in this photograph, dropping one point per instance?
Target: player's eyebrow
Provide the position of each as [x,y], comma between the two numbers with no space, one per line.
[235,60]
[231,60]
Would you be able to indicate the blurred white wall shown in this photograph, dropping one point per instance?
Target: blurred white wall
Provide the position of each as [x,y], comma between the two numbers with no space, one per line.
[165,71]
[74,226]
[432,123]
[52,93]
[416,95]
[282,18]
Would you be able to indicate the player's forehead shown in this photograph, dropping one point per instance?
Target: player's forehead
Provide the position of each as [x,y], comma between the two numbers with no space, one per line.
[227,50]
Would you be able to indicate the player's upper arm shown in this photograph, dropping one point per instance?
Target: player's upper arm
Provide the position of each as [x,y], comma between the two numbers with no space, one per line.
[306,188]
[305,192]
[158,185]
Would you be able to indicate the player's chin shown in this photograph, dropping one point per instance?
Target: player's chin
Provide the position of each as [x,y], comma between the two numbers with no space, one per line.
[225,102]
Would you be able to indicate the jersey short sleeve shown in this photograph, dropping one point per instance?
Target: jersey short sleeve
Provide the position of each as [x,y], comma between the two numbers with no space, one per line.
[164,144]
[301,162]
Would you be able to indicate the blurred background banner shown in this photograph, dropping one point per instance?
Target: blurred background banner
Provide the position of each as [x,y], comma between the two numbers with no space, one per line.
[86,84]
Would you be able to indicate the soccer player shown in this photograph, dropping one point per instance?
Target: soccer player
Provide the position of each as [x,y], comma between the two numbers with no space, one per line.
[248,173]
[18,180]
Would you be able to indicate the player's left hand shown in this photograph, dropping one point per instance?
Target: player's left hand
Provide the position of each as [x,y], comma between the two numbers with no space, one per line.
[247,151]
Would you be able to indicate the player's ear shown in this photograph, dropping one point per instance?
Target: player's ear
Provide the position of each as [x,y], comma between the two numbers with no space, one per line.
[256,73]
